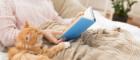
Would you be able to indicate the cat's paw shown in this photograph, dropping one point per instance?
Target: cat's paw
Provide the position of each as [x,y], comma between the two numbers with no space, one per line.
[67,44]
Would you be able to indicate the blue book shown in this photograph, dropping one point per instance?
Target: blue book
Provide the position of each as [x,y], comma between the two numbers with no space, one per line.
[80,26]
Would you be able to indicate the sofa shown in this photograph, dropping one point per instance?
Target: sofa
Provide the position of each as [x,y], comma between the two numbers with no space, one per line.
[69,8]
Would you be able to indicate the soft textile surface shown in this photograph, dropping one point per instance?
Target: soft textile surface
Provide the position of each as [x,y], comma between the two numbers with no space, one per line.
[3,56]
[68,8]
[102,22]
[102,44]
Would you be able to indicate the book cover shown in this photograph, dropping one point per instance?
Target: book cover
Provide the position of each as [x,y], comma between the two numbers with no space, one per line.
[80,26]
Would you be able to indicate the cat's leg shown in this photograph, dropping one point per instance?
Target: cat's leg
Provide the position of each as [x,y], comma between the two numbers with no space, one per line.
[11,52]
[57,48]
[51,52]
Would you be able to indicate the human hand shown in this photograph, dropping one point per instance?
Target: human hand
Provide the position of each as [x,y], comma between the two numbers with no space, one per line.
[77,17]
[50,35]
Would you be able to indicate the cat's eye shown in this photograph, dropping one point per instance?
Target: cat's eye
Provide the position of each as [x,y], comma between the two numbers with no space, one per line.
[28,37]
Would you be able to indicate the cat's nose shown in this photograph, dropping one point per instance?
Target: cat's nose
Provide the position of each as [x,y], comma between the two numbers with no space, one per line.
[41,47]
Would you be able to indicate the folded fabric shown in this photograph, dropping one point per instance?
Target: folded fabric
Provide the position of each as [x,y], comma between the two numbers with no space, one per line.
[102,44]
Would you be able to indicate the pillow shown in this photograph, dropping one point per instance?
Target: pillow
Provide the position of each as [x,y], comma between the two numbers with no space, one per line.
[96,4]
[68,8]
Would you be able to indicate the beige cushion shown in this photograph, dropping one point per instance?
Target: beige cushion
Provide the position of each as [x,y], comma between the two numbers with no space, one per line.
[68,8]
[100,5]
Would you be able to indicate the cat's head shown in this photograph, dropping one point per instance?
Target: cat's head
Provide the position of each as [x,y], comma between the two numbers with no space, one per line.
[29,37]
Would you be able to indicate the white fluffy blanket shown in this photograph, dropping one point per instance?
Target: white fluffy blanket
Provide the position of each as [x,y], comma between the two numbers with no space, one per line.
[102,22]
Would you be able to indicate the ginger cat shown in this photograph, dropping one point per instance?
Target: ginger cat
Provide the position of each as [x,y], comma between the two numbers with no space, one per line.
[29,46]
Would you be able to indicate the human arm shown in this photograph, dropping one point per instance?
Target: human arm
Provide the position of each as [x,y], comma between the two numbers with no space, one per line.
[8,28]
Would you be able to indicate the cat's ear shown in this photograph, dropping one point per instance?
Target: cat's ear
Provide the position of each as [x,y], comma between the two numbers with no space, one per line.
[26,24]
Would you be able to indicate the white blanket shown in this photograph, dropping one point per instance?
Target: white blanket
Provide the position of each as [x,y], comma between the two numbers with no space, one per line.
[102,22]
[102,44]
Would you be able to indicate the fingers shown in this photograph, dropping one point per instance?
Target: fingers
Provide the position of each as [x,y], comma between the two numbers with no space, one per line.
[80,14]
[56,32]
[49,35]
[59,41]
[77,17]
